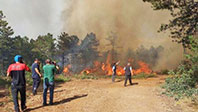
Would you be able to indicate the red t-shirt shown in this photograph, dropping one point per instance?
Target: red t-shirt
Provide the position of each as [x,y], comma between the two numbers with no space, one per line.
[17,72]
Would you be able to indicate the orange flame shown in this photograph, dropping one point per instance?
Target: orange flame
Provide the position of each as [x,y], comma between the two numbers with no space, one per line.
[144,68]
[107,68]
[86,71]
[120,70]
[66,69]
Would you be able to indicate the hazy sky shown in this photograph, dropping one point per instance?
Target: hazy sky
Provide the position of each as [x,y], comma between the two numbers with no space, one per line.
[33,17]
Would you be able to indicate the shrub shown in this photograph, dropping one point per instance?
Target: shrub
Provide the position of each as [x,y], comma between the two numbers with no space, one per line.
[62,78]
[86,76]
[183,82]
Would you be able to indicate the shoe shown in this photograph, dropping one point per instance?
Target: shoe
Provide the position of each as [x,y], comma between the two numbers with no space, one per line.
[17,110]
[34,92]
[51,103]
[23,108]
[44,104]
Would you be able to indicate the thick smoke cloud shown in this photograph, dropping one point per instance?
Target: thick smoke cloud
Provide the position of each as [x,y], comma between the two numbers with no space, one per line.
[33,17]
[134,22]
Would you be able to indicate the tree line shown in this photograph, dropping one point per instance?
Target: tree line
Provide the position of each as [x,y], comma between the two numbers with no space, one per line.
[43,47]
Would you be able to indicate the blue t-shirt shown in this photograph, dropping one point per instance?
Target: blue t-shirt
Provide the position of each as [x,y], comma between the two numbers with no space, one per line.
[34,74]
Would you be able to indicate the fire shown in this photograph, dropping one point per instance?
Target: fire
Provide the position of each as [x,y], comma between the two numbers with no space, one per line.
[107,68]
[120,70]
[144,68]
[103,67]
[86,71]
[66,70]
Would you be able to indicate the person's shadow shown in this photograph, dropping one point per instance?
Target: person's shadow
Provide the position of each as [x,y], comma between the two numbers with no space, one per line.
[59,102]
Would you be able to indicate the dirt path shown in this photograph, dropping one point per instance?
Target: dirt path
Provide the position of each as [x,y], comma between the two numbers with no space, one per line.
[104,96]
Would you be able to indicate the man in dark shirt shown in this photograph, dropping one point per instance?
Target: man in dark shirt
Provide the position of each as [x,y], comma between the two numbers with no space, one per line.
[18,84]
[36,76]
[128,73]
[114,68]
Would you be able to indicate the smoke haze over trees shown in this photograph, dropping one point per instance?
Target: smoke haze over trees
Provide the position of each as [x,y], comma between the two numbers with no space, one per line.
[134,23]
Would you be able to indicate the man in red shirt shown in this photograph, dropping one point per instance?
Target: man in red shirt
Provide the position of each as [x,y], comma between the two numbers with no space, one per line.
[17,73]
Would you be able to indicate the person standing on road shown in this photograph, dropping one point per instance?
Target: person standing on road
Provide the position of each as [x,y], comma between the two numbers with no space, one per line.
[36,76]
[48,82]
[18,84]
[114,68]
[128,73]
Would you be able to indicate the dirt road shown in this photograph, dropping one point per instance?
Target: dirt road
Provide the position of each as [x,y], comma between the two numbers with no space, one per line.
[104,96]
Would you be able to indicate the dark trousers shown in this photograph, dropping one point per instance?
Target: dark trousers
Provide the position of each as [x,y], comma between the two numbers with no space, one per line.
[126,78]
[113,77]
[47,85]
[15,91]
[36,83]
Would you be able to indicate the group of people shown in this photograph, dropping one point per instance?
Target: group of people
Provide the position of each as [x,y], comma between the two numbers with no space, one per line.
[128,72]
[18,84]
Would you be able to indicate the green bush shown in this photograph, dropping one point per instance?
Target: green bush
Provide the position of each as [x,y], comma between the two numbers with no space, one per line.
[143,75]
[29,79]
[184,80]
[86,76]
[4,81]
[62,78]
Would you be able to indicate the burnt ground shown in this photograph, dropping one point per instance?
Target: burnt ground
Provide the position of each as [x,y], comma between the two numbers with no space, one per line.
[103,96]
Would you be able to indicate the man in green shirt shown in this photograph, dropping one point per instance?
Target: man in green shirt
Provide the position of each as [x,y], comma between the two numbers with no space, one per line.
[49,71]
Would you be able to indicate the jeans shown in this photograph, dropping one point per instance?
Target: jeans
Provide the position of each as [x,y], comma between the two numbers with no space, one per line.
[15,90]
[47,85]
[36,83]
[126,78]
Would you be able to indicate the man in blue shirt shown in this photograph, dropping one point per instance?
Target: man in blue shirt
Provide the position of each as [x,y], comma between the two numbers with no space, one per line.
[36,76]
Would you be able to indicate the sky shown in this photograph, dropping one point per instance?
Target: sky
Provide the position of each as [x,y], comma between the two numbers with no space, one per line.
[33,17]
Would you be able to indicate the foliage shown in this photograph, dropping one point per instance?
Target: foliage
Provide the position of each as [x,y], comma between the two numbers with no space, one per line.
[113,43]
[23,47]
[65,44]
[5,42]
[152,55]
[184,82]
[184,18]
[89,49]
[4,81]
[86,76]
[28,77]
[143,76]
[62,78]
[83,55]
[44,46]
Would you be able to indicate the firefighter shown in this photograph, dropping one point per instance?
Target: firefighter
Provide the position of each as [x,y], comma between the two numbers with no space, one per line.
[128,73]
[36,76]
[18,84]
[114,68]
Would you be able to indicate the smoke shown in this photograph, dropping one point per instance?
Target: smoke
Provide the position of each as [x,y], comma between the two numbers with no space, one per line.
[134,22]
[33,17]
